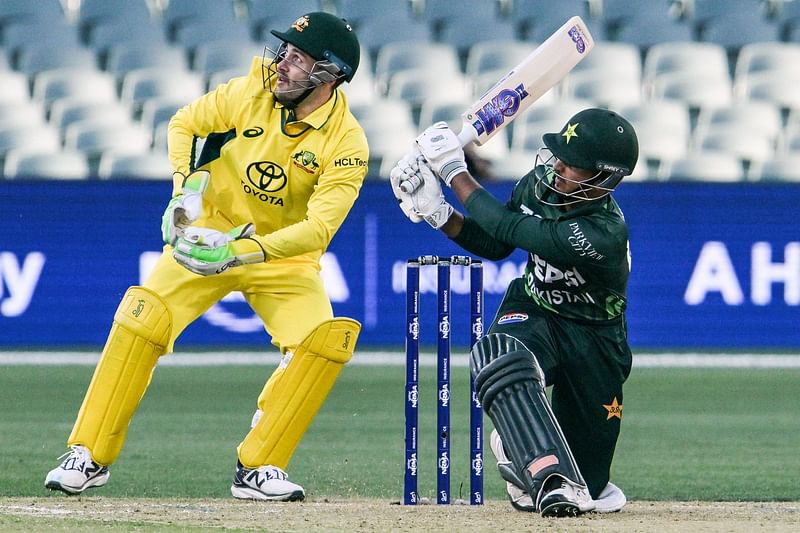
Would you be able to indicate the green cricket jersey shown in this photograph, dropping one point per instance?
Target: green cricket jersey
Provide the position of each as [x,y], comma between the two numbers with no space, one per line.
[578,261]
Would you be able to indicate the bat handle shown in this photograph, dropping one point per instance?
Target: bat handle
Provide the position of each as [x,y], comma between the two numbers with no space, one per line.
[411,184]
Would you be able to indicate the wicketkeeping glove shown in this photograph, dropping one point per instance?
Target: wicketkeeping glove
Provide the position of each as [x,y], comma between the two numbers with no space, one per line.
[442,150]
[207,252]
[185,207]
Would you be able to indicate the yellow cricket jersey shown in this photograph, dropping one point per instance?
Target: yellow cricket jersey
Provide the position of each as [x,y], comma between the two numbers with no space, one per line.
[296,181]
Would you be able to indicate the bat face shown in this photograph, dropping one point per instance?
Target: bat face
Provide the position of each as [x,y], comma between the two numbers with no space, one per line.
[527,82]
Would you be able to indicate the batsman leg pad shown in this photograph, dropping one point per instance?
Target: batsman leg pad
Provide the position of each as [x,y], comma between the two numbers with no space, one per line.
[139,336]
[511,388]
[291,404]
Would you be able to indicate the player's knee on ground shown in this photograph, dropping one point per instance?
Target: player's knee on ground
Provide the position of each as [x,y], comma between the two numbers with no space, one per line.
[511,387]
[139,336]
[290,405]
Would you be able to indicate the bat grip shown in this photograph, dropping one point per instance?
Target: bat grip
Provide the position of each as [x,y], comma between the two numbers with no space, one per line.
[411,184]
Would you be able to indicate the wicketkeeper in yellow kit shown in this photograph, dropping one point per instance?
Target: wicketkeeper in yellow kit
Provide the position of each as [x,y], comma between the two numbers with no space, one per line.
[283,163]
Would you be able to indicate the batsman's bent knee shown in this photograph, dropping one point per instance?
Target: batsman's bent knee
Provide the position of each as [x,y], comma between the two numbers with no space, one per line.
[291,404]
[139,336]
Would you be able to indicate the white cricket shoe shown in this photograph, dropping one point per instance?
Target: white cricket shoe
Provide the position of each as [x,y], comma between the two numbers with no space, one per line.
[519,498]
[610,500]
[77,473]
[265,483]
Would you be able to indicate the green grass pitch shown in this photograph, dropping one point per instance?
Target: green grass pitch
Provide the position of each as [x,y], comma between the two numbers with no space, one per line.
[687,434]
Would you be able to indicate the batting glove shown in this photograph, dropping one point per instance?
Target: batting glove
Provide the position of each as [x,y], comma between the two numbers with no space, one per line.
[442,150]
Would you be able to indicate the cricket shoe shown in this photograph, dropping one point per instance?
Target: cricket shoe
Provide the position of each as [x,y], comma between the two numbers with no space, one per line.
[265,483]
[519,498]
[561,497]
[77,472]
[610,500]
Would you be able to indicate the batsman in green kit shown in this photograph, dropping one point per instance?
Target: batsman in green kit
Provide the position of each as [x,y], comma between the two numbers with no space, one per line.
[562,324]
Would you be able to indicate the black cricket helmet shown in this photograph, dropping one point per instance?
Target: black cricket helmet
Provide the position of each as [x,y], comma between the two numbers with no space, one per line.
[593,139]
[325,37]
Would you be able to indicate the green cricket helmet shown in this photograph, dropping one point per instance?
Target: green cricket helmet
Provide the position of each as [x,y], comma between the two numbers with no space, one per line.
[593,139]
[325,37]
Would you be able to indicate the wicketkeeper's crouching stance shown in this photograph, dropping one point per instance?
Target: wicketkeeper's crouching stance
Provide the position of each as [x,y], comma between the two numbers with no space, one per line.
[244,223]
[562,323]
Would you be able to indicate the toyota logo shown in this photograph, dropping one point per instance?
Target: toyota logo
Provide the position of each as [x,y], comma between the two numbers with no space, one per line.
[266,176]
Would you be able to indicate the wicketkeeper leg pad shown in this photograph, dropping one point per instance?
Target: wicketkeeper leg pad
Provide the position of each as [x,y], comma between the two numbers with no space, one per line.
[511,388]
[291,404]
[139,336]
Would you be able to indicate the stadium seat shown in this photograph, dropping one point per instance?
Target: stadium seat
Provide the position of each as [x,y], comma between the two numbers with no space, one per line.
[782,167]
[747,144]
[266,15]
[14,114]
[96,12]
[416,86]
[125,57]
[383,113]
[34,59]
[543,118]
[734,23]
[604,89]
[664,131]
[181,12]
[216,56]
[156,111]
[153,165]
[761,117]
[114,32]
[63,83]
[363,87]
[616,60]
[462,24]
[67,111]
[514,165]
[17,37]
[39,12]
[198,32]
[142,84]
[789,21]
[536,20]
[706,60]
[643,23]
[93,138]
[421,56]
[706,166]
[55,164]
[443,109]
[386,146]
[689,88]
[757,58]
[32,137]
[776,87]
[13,87]
[377,23]
[496,55]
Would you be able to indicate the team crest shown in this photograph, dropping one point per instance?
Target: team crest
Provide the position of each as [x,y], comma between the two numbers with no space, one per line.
[306,160]
[300,24]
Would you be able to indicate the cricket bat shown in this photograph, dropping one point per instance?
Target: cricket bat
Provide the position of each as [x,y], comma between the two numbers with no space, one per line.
[523,85]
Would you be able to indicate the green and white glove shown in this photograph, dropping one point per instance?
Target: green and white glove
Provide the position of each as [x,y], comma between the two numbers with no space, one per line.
[185,207]
[208,252]
[442,150]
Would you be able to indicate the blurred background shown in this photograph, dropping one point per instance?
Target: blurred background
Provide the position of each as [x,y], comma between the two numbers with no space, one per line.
[87,88]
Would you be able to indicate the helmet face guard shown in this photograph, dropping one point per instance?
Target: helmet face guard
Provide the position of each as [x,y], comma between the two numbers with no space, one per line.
[322,71]
[598,186]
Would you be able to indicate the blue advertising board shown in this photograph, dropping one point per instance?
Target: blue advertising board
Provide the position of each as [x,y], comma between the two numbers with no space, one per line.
[714,266]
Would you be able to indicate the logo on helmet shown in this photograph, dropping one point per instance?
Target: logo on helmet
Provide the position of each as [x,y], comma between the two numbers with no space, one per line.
[569,131]
[301,23]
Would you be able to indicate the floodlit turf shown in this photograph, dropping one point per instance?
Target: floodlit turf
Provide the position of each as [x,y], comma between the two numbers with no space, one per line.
[700,434]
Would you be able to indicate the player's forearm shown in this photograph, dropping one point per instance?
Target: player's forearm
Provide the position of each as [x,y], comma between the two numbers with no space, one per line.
[303,237]
[476,241]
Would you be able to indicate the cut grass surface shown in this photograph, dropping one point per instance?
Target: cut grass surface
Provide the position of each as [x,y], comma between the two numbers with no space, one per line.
[687,434]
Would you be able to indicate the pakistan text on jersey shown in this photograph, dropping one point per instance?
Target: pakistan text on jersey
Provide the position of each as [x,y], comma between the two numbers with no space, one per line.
[581,244]
[558,297]
[261,195]
[350,162]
